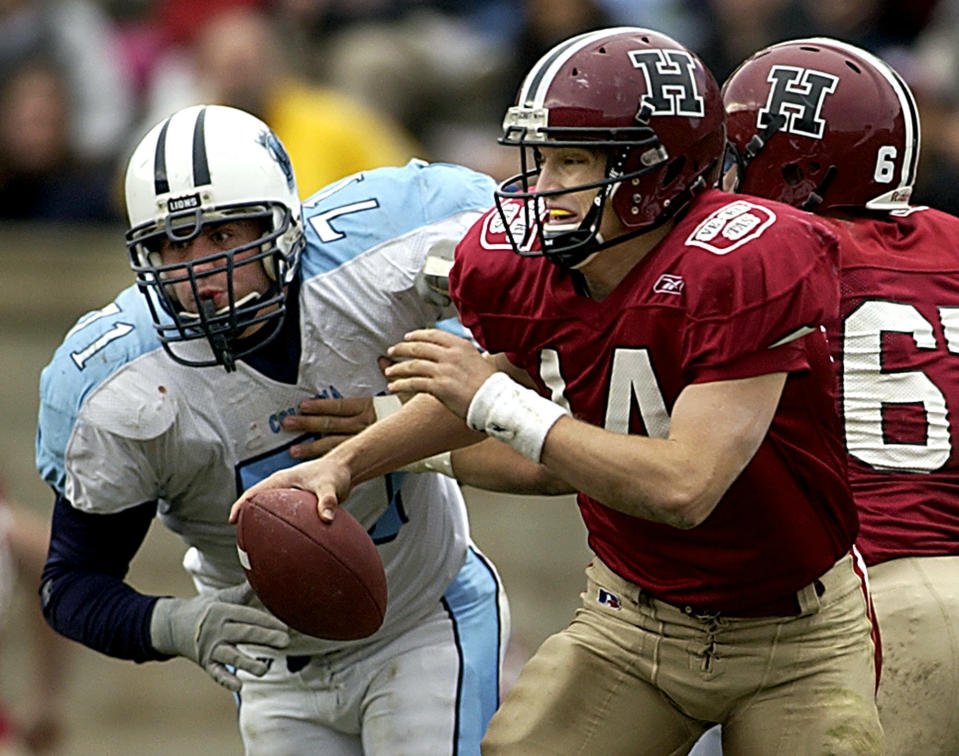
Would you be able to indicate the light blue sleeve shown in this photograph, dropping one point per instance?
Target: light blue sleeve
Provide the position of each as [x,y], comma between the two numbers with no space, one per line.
[96,347]
[365,210]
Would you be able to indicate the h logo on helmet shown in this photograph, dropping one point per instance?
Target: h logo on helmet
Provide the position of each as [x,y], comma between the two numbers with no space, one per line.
[670,83]
[796,97]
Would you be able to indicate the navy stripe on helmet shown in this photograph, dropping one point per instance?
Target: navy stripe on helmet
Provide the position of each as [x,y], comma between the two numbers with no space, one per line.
[201,169]
[160,183]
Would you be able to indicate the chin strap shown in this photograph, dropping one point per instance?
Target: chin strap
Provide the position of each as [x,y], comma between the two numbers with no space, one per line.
[760,140]
[671,209]
[217,339]
[816,195]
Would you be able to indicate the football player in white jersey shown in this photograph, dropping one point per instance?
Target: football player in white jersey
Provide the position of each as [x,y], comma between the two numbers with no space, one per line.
[170,401]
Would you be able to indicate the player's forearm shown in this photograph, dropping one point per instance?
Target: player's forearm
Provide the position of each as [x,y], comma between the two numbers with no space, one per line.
[654,479]
[496,467]
[82,592]
[100,612]
[715,429]
[421,428]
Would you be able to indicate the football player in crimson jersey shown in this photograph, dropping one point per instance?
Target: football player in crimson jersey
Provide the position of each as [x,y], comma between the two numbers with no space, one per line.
[829,127]
[655,345]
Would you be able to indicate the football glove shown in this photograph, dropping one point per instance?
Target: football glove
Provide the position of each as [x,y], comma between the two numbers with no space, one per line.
[208,628]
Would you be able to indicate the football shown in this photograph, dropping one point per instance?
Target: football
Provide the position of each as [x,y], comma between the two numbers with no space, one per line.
[322,579]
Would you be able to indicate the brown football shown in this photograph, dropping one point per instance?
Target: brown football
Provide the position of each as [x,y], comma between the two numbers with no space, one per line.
[322,579]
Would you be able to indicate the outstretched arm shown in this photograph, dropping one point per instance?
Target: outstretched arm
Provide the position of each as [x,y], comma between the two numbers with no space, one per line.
[421,428]
[494,466]
[84,598]
[715,429]
[488,464]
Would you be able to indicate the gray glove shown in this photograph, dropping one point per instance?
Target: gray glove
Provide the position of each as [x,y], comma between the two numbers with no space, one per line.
[208,628]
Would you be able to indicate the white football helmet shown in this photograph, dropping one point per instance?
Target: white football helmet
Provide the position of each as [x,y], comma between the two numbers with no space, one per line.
[205,164]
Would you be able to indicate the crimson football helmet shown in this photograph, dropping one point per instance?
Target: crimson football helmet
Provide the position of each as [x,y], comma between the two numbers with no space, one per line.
[636,94]
[207,164]
[818,123]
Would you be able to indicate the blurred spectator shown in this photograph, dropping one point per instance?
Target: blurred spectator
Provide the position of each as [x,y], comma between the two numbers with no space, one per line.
[931,71]
[236,58]
[42,174]
[435,66]
[78,37]
[683,20]
[34,724]
[446,70]
[423,64]
[737,28]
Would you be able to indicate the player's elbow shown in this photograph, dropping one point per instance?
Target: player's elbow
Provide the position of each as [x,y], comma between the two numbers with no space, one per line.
[693,489]
[686,504]
[691,512]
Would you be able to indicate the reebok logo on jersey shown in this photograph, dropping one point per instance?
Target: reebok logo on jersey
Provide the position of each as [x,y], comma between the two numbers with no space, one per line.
[669,284]
[609,599]
[731,227]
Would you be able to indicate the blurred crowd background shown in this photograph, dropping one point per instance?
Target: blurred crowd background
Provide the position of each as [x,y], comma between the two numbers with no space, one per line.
[351,84]
[347,85]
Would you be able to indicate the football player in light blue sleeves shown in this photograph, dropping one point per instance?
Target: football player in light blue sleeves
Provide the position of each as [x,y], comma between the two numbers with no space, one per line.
[170,401]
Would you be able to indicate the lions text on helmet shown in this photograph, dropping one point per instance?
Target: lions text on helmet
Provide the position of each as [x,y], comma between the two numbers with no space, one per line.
[212,240]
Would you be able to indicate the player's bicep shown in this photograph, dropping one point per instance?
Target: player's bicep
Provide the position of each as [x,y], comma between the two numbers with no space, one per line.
[103,543]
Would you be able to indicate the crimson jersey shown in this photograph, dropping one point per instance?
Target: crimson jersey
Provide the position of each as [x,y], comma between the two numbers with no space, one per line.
[897,347]
[739,288]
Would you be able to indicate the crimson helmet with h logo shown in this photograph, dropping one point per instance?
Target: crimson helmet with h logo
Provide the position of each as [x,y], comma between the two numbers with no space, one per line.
[819,124]
[646,100]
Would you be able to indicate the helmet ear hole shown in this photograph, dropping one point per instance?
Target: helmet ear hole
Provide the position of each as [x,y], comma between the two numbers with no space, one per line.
[792,174]
[673,170]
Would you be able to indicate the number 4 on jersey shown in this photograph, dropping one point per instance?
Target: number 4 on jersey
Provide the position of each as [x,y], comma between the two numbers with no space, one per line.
[632,377]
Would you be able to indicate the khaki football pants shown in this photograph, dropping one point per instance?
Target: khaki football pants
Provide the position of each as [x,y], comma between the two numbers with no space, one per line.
[636,676]
[917,603]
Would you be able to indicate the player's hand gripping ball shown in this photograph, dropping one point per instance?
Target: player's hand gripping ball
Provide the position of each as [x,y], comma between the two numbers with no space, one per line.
[322,579]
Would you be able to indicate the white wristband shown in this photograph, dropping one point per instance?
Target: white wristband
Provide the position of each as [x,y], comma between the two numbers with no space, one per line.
[513,414]
[384,406]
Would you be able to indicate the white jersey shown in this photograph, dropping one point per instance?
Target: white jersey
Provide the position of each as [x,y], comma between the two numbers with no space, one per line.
[121,423]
